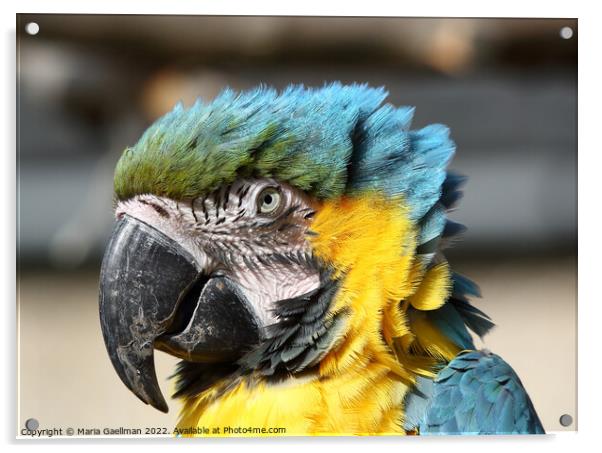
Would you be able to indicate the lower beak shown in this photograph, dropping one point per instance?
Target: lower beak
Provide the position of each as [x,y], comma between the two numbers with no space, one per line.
[152,295]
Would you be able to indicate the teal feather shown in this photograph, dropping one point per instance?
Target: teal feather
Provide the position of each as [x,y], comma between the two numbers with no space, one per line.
[477,393]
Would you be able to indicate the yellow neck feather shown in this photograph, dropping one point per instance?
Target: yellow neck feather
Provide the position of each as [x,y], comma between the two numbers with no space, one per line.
[360,385]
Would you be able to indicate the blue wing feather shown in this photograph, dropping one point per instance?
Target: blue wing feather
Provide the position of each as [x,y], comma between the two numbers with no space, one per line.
[476,393]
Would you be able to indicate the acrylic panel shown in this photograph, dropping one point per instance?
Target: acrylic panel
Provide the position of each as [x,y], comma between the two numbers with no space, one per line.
[290,226]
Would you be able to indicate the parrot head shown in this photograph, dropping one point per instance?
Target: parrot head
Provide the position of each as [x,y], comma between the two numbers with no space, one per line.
[261,232]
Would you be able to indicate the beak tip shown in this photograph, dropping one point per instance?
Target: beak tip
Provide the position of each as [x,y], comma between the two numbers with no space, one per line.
[161,406]
[156,401]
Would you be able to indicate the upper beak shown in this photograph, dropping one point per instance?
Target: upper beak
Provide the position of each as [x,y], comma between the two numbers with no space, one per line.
[153,295]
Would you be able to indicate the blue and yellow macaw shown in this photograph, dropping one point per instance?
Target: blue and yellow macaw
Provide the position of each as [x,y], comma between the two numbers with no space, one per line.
[288,247]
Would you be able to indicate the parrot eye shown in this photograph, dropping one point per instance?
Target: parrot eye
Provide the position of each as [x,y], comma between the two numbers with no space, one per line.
[268,201]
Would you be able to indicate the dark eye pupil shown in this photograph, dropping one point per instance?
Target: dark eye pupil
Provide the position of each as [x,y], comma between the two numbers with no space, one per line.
[268,199]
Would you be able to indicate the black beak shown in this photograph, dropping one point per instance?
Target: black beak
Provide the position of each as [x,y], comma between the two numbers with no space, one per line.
[153,296]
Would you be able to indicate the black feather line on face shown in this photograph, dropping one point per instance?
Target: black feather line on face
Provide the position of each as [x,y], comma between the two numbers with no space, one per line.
[158,209]
[205,213]
[243,194]
[226,197]
[196,219]
[304,333]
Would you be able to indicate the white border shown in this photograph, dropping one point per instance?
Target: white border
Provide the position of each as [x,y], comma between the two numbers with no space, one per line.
[458,8]
[590,164]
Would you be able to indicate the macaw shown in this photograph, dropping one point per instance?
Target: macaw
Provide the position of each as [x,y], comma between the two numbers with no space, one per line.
[288,248]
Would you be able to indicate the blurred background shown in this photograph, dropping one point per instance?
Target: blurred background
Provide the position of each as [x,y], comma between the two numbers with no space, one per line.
[90,84]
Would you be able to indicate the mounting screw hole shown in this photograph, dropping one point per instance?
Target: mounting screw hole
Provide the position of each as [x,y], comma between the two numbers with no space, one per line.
[566,32]
[566,420]
[32,28]
[32,424]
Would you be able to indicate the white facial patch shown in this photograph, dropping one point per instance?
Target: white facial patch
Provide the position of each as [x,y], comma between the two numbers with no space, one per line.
[170,218]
